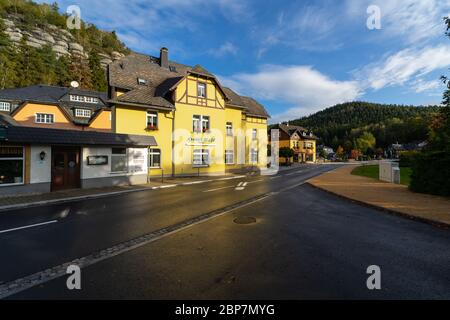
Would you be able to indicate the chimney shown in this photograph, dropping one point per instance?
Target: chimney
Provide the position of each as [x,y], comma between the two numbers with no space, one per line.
[164,57]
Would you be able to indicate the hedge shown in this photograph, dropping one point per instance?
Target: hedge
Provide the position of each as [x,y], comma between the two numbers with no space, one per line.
[431,173]
[407,158]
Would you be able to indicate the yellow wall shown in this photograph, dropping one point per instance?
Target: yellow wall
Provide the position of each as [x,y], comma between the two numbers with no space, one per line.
[133,121]
[102,121]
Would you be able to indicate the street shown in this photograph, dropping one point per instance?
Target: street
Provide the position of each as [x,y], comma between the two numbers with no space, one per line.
[288,241]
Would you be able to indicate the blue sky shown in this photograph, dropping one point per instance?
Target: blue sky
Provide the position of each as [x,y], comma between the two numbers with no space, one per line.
[295,57]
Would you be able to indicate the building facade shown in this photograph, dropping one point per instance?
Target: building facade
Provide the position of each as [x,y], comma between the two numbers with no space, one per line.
[302,141]
[200,127]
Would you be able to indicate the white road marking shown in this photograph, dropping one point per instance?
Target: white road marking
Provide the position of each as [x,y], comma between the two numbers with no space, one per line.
[195,182]
[241,186]
[168,186]
[276,177]
[217,189]
[29,226]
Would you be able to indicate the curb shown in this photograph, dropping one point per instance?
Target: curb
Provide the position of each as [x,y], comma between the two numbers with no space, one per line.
[434,223]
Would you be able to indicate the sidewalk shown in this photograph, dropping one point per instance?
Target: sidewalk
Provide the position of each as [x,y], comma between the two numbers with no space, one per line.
[29,200]
[393,198]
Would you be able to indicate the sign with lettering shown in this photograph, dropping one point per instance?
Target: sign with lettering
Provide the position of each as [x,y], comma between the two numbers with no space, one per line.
[97,160]
[203,141]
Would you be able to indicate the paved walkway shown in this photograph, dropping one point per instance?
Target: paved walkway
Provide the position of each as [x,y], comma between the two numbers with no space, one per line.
[10,202]
[391,197]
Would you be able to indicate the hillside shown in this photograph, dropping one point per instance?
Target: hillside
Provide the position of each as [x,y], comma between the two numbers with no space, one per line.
[343,123]
[36,47]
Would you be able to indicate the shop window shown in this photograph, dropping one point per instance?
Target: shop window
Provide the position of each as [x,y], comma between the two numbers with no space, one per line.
[11,165]
[45,118]
[201,90]
[201,157]
[229,157]
[119,160]
[229,129]
[154,158]
[152,120]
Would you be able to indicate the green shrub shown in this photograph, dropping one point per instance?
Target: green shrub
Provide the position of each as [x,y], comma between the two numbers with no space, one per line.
[407,158]
[431,173]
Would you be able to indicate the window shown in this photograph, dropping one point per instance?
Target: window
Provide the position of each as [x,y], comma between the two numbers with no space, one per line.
[229,157]
[154,158]
[201,157]
[142,82]
[11,165]
[201,90]
[84,113]
[254,156]
[119,162]
[5,106]
[229,129]
[200,123]
[85,99]
[308,145]
[254,134]
[152,120]
[45,118]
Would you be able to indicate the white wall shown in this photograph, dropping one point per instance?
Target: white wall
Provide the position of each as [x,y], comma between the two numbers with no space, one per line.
[137,163]
[40,171]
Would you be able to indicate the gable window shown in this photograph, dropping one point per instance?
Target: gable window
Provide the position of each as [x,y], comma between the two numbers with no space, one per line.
[5,106]
[44,118]
[201,90]
[85,99]
[83,113]
[142,82]
[254,156]
[119,160]
[229,157]
[154,158]
[11,165]
[152,120]
[229,129]
[200,158]
[254,134]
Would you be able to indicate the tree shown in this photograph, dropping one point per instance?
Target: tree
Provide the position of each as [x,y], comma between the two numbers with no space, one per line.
[365,141]
[98,75]
[80,72]
[286,153]
[7,64]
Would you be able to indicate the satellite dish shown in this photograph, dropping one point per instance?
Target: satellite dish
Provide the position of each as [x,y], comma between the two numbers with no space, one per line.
[74,84]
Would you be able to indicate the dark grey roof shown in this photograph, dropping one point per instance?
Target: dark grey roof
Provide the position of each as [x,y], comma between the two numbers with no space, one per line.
[6,119]
[291,129]
[124,74]
[32,135]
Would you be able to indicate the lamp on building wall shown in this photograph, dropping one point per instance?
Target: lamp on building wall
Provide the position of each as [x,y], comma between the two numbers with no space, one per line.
[42,155]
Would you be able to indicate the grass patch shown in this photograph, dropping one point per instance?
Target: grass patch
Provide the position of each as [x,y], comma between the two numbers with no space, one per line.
[372,171]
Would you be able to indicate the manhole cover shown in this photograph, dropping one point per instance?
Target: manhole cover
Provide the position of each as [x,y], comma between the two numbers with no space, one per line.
[244,220]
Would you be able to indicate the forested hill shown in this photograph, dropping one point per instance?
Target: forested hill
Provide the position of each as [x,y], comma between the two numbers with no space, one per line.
[36,47]
[343,123]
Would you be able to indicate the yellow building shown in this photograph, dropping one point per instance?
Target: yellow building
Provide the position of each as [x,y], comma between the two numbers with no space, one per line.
[201,128]
[302,141]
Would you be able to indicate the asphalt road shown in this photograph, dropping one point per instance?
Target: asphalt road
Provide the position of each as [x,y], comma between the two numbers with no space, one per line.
[305,244]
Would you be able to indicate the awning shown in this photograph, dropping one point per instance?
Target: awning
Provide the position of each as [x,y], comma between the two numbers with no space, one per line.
[32,135]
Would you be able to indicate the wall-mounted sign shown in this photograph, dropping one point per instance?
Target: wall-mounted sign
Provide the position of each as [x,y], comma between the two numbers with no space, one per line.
[209,141]
[97,160]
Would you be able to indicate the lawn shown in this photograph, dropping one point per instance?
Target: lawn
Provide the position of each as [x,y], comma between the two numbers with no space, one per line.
[373,172]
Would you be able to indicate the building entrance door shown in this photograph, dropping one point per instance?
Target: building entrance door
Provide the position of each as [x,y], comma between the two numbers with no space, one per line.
[65,168]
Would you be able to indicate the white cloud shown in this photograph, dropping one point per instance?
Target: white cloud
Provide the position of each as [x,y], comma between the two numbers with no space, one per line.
[406,65]
[433,87]
[301,86]
[224,49]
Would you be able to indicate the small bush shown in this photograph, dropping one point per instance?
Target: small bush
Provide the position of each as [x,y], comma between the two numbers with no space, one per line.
[431,173]
[407,158]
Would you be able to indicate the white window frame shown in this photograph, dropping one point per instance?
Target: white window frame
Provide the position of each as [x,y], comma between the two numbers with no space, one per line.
[201,93]
[45,119]
[119,155]
[196,123]
[151,153]
[5,106]
[85,99]
[253,153]
[229,153]
[254,134]
[229,129]
[142,82]
[153,115]
[23,167]
[83,113]
[206,120]
[201,153]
